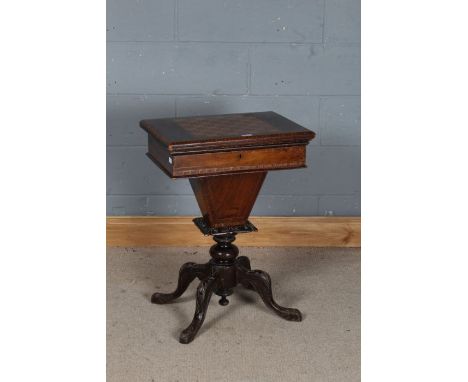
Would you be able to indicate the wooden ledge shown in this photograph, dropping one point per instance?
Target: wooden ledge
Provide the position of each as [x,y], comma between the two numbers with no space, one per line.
[150,231]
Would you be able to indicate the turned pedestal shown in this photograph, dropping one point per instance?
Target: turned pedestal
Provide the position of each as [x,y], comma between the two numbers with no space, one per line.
[226,159]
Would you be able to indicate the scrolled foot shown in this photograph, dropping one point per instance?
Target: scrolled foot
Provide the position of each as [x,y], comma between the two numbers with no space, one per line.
[292,314]
[261,282]
[204,292]
[188,272]
[162,298]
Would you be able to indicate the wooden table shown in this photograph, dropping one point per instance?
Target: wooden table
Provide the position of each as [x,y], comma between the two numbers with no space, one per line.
[226,158]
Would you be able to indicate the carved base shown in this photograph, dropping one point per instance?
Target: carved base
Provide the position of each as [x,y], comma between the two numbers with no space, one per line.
[207,230]
[220,276]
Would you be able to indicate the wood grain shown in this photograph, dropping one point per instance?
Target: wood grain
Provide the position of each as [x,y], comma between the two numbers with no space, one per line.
[133,231]
[227,200]
[239,161]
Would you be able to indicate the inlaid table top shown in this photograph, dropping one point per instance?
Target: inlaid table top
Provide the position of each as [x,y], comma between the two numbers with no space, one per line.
[219,144]
[226,130]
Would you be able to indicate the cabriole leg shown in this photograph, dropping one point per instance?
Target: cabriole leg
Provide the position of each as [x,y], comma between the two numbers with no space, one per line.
[204,292]
[188,272]
[261,282]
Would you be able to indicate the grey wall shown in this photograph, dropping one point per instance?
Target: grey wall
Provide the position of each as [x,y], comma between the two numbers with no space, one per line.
[168,58]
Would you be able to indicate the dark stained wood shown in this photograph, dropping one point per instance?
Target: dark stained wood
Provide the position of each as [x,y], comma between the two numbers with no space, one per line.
[227,131]
[260,281]
[227,200]
[220,276]
[159,154]
[204,292]
[226,158]
[187,273]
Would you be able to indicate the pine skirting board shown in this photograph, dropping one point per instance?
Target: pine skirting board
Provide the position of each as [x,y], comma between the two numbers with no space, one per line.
[149,231]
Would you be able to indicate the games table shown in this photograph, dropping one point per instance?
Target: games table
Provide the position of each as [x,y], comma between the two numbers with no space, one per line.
[226,158]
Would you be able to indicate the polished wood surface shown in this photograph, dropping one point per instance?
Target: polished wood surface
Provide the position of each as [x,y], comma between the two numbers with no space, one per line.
[226,158]
[278,158]
[227,131]
[200,146]
[154,231]
[220,276]
[227,200]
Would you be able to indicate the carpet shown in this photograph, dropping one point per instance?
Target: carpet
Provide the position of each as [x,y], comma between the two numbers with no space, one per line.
[244,341]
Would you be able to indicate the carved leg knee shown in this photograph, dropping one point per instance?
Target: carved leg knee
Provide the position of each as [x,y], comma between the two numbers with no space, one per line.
[244,261]
[188,272]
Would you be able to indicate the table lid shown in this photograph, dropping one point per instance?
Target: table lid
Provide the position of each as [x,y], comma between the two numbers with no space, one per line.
[226,131]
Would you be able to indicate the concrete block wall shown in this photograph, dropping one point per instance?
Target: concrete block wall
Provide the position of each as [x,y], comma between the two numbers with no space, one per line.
[172,58]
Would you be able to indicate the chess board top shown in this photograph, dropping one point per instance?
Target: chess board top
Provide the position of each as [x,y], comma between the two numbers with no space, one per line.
[226,131]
